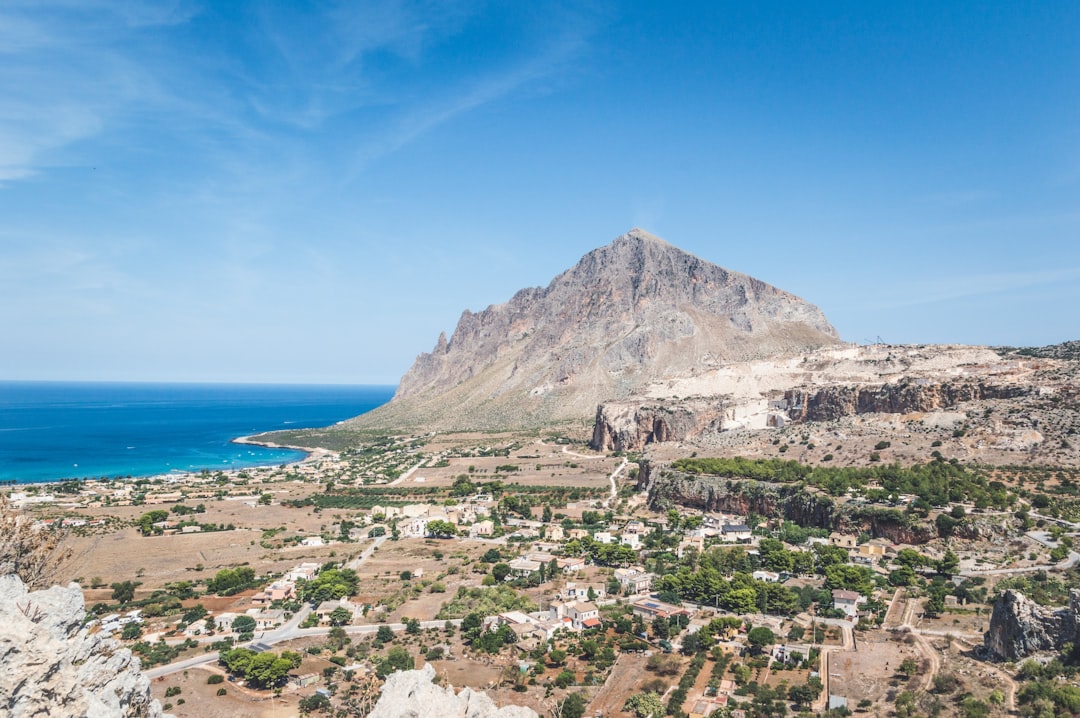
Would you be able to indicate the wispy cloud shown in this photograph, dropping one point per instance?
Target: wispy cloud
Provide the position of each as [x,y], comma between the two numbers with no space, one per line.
[63,78]
[946,289]
[470,94]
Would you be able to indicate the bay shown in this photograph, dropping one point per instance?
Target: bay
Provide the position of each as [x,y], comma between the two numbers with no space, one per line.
[50,431]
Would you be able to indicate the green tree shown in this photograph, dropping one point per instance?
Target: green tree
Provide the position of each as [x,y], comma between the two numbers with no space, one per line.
[759,637]
[146,521]
[500,571]
[243,624]
[908,667]
[573,706]
[441,529]
[949,564]
[340,616]
[385,634]
[267,669]
[237,660]
[396,659]
[124,591]
[645,705]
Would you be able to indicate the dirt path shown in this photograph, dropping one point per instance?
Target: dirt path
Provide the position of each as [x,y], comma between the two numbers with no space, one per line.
[406,475]
[628,669]
[614,486]
[897,609]
[923,645]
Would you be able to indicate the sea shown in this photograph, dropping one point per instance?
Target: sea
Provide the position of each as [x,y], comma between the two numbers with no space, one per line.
[54,431]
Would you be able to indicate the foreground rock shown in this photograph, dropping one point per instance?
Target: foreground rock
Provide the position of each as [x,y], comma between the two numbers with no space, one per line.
[50,665]
[634,312]
[412,694]
[1020,627]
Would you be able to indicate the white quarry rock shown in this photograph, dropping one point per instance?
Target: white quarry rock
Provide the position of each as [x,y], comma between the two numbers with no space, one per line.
[412,694]
[50,665]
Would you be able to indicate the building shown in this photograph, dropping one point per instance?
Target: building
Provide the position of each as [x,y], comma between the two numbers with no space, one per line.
[843,540]
[482,528]
[303,572]
[848,602]
[634,580]
[570,564]
[736,533]
[584,614]
[574,592]
[649,609]
[265,620]
[692,543]
[523,567]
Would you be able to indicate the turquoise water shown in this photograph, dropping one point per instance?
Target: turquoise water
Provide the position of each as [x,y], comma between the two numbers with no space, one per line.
[51,431]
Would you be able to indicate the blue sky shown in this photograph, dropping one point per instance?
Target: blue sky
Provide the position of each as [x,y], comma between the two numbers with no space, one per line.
[294,192]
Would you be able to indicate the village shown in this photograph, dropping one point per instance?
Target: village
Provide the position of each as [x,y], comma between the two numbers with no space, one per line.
[564,587]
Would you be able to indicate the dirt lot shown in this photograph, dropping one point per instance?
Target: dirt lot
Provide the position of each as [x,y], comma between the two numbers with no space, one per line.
[627,676]
[124,554]
[869,672]
[201,700]
[538,463]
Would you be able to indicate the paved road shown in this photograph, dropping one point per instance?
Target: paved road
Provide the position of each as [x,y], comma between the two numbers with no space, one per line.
[287,632]
[406,475]
[290,630]
[1063,566]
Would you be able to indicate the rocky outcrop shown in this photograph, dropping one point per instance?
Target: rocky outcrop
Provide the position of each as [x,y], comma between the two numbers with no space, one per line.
[413,694]
[737,496]
[1020,627]
[631,426]
[636,311]
[50,665]
[790,501]
[904,397]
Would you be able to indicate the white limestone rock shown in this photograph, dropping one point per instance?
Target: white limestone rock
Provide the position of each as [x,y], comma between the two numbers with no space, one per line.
[412,694]
[50,665]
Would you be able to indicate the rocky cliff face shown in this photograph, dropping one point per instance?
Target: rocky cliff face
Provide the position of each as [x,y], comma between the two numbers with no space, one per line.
[630,426]
[636,311]
[51,666]
[412,694]
[806,507]
[903,397]
[1020,627]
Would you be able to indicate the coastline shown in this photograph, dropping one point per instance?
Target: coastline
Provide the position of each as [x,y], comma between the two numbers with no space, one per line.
[311,452]
[57,432]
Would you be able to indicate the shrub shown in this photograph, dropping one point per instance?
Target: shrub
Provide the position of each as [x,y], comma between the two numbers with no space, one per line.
[216,678]
[221,691]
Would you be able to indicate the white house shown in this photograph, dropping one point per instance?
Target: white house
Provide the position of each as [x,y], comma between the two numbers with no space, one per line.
[736,533]
[634,580]
[848,602]
[584,614]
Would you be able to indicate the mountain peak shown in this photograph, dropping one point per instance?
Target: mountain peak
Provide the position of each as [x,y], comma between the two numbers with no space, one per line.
[636,311]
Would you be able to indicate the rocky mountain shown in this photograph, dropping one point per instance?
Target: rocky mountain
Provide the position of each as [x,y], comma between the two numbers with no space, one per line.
[412,694]
[629,314]
[54,666]
[1020,627]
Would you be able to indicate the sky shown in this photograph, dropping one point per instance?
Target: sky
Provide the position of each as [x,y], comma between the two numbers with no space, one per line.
[312,192]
